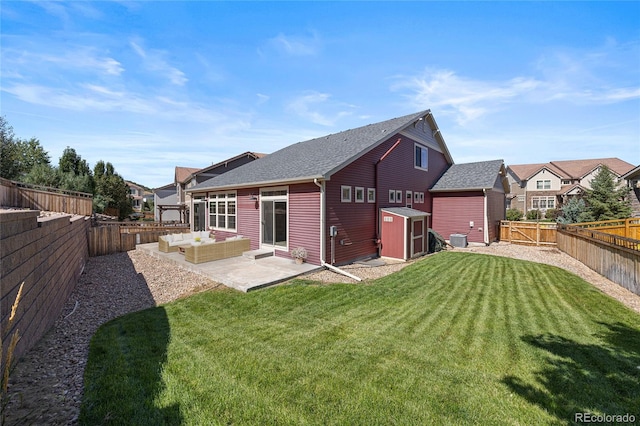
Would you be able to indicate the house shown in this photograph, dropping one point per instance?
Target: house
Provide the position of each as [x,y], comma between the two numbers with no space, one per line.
[470,199]
[632,177]
[550,185]
[326,194]
[138,195]
[172,201]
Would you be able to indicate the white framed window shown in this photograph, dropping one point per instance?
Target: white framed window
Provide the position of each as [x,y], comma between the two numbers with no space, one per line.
[566,182]
[371,195]
[422,197]
[543,203]
[398,196]
[421,157]
[359,194]
[416,197]
[222,211]
[543,184]
[408,198]
[392,195]
[345,194]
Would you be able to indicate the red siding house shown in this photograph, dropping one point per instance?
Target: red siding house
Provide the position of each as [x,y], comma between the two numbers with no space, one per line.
[469,199]
[327,194]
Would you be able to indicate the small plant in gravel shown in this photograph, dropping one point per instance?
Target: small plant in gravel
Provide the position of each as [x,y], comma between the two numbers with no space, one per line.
[7,358]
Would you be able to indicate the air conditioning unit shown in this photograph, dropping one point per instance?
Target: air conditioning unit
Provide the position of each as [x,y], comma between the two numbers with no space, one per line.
[458,240]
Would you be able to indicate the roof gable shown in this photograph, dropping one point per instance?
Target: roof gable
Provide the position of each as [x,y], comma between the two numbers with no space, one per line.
[317,158]
[470,176]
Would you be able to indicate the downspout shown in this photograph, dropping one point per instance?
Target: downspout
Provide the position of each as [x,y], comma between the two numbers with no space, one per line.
[376,178]
[323,224]
[486,221]
[323,233]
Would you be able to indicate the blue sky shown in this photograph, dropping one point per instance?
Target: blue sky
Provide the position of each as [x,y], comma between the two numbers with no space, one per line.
[149,86]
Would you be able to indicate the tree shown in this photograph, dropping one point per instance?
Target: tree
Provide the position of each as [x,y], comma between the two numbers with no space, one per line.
[605,200]
[17,156]
[110,190]
[8,151]
[571,211]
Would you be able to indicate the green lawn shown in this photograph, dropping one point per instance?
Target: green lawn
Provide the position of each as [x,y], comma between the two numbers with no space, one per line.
[455,338]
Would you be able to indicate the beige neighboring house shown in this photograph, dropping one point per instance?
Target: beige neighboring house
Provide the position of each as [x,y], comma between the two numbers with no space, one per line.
[138,196]
[550,185]
[173,202]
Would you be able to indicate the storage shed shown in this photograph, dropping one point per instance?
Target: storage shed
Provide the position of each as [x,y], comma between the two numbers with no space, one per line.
[403,232]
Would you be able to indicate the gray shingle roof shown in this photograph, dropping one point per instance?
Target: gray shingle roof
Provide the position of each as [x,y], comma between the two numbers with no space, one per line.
[469,176]
[315,158]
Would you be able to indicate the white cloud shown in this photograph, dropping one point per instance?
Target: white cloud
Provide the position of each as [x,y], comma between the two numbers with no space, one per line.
[317,108]
[296,45]
[153,60]
[466,98]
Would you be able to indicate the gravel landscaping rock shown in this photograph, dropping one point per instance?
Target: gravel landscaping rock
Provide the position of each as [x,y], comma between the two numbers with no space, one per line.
[46,386]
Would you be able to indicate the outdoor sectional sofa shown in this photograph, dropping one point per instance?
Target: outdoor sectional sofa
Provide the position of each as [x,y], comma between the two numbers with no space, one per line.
[172,242]
[215,250]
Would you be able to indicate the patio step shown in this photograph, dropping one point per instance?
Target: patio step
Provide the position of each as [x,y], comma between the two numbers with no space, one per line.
[258,254]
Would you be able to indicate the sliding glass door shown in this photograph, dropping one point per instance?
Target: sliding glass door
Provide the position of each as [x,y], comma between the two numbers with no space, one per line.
[274,223]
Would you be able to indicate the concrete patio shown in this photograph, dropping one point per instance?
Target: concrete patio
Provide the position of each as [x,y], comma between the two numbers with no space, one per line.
[241,273]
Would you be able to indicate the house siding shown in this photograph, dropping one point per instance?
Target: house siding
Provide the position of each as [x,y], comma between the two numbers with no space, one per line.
[495,213]
[304,221]
[452,213]
[357,222]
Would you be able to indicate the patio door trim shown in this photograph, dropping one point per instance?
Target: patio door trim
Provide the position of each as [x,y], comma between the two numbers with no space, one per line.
[274,198]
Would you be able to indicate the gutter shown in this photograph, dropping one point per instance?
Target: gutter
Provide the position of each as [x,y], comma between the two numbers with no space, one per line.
[323,220]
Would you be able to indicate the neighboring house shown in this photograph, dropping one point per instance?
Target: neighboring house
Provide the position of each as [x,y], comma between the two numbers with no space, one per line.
[633,182]
[167,209]
[178,208]
[550,185]
[138,195]
[470,199]
[327,194]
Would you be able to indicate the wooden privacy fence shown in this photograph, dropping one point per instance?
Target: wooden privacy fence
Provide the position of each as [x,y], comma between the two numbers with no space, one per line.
[615,257]
[628,228]
[21,195]
[535,233]
[115,237]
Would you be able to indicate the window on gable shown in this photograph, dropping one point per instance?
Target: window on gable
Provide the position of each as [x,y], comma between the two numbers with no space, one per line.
[392,195]
[543,184]
[345,192]
[421,157]
[398,196]
[359,194]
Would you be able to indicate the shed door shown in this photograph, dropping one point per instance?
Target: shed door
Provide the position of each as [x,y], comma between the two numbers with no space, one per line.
[417,236]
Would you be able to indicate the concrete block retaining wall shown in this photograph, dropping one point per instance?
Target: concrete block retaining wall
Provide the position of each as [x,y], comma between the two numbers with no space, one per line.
[48,254]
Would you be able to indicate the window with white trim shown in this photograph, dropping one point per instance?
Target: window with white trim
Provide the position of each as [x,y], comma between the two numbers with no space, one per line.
[359,194]
[371,195]
[398,196]
[543,203]
[409,199]
[416,197]
[543,184]
[421,157]
[392,195]
[345,194]
[422,197]
[222,211]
